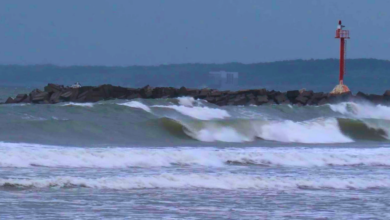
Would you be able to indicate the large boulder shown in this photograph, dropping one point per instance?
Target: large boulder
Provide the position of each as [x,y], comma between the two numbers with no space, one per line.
[319,95]
[323,101]
[52,88]
[262,99]
[387,93]
[279,99]
[302,99]
[164,92]
[221,100]
[20,98]
[239,100]
[70,95]
[55,98]
[272,94]
[344,97]
[292,94]
[118,92]
[361,95]
[182,91]
[251,99]
[203,93]
[216,93]
[307,94]
[42,97]
[10,101]
[376,99]
[146,92]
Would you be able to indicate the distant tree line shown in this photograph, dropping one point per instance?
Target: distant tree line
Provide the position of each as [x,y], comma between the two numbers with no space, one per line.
[368,75]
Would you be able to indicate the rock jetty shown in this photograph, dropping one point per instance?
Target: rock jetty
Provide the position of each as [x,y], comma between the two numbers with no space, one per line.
[53,94]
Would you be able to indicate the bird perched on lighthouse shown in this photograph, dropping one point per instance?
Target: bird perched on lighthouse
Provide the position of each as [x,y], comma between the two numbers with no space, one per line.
[340,26]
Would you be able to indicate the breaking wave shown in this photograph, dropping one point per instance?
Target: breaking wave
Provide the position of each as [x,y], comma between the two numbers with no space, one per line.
[225,182]
[362,111]
[186,101]
[243,130]
[198,112]
[29,155]
[135,104]
[79,104]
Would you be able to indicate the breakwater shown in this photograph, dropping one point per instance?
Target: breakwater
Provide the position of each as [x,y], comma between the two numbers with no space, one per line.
[53,93]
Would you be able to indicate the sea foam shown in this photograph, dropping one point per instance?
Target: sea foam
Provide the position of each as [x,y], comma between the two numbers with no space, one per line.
[28,155]
[225,182]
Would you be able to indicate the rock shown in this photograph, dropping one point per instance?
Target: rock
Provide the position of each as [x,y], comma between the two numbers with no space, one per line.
[10,101]
[55,98]
[252,102]
[323,101]
[361,95]
[287,102]
[211,99]
[262,99]
[387,93]
[223,100]
[26,100]
[251,99]
[192,92]
[20,98]
[134,96]
[279,99]
[250,96]
[271,102]
[312,101]
[292,94]
[182,91]
[244,92]
[318,95]
[376,99]
[302,99]
[164,92]
[239,100]
[261,92]
[146,92]
[216,93]
[52,88]
[345,97]
[272,94]
[67,95]
[203,93]
[307,94]
[39,97]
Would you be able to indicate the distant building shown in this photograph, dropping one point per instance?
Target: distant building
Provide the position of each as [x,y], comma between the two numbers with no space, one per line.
[223,79]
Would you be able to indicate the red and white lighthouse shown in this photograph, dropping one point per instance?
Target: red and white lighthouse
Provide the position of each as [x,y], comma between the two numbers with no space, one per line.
[342,35]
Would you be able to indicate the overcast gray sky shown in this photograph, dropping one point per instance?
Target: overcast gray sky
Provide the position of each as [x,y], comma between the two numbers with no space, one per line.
[152,32]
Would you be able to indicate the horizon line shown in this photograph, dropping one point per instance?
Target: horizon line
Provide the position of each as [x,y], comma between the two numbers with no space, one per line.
[177,64]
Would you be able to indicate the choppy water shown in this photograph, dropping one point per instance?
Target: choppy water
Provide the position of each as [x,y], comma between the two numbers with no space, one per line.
[187,159]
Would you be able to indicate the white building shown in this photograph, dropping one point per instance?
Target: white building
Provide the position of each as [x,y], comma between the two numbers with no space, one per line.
[223,78]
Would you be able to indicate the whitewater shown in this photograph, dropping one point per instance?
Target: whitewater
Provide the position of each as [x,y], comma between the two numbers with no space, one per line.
[184,158]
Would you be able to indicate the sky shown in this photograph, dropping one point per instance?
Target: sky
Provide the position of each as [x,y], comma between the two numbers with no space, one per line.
[155,32]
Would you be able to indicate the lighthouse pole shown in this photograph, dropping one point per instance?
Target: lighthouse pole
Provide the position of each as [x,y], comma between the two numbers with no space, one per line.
[342,34]
[342,61]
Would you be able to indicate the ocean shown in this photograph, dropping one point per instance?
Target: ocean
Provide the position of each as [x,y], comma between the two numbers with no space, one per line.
[188,159]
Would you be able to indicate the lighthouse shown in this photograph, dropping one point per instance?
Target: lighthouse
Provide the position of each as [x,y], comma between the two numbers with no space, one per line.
[342,35]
